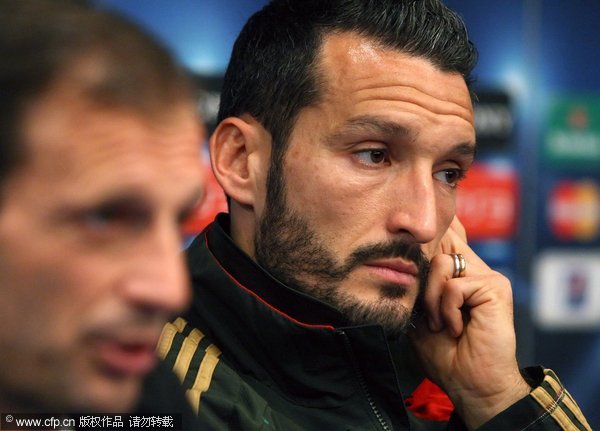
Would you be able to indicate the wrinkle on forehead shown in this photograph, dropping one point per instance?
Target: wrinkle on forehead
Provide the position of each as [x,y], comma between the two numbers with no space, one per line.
[353,64]
[415,97]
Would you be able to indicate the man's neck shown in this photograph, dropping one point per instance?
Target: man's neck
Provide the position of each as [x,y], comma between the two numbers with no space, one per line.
[242,229]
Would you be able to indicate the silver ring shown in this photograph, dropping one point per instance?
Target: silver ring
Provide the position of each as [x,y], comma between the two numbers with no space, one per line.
[460,265]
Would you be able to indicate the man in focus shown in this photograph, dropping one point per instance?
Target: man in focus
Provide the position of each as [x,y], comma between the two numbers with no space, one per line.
[341,278]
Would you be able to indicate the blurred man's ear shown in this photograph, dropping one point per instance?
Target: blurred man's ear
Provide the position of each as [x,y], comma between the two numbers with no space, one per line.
[240,149]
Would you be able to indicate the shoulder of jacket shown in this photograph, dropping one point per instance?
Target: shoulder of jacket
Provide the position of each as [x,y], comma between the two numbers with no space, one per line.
[191,355]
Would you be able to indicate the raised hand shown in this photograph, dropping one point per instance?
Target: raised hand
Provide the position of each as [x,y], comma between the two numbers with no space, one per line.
[467,342]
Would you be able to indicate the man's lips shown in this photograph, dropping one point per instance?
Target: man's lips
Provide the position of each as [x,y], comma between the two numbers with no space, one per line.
[126,356]
[395,271]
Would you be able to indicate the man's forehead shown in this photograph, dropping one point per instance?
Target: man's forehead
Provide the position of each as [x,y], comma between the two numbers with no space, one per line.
[65,134]
[360,79]
[351,45]
[347,56]
[72,111]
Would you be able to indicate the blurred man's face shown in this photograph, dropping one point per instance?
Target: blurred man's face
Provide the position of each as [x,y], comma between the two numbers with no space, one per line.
[90,262]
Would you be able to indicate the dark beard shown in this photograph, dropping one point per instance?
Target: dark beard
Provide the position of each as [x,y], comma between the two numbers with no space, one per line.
[291,251]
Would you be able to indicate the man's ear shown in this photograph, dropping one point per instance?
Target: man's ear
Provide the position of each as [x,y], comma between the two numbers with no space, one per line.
[239,152]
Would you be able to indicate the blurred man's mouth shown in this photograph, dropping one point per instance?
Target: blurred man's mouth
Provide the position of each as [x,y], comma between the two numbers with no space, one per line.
[126,356]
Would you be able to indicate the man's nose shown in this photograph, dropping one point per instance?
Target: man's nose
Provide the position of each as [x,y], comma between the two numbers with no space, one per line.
[414,207]
[159,281]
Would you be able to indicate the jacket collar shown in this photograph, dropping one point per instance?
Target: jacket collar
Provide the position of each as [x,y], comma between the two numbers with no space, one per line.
[248,274]
[278,333]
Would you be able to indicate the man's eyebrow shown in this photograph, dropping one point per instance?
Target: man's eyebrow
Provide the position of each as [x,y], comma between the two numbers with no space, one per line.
[369,124]
[464,149]
[128,199]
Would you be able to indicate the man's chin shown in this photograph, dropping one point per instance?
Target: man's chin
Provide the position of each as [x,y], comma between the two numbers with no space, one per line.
[390,313]
[107,394]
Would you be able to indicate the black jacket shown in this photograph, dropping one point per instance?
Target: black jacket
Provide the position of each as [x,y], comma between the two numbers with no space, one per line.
[255,354]
[162,395]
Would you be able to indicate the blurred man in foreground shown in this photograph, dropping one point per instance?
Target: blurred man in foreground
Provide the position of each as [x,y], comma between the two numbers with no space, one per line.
[99,167]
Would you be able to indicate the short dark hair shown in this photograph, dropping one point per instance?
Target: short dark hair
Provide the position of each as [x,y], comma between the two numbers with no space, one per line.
[273,71]
[42,40]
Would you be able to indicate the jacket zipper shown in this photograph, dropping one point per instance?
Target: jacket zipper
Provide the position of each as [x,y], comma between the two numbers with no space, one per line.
[363,384]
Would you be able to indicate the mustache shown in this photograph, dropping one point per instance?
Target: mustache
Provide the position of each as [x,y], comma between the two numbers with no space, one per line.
[390,250]
[407,250]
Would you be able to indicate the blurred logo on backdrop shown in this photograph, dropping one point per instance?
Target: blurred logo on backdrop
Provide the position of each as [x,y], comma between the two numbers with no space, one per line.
[493,119]
[573,133]
[487,200]
[208,99]
[573,210]
[567,289]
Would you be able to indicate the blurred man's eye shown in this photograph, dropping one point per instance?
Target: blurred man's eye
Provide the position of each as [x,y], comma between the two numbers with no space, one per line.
[114,216]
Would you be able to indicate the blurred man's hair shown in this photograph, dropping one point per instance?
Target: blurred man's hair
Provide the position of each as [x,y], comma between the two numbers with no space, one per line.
[105,57]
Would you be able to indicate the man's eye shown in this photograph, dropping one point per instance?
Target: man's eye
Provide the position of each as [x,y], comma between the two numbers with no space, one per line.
[112,217]
[372,157]
[101,219]
[450,177]
[96,220]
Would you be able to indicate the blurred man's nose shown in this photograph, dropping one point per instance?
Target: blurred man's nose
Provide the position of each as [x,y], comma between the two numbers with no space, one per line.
[159,281]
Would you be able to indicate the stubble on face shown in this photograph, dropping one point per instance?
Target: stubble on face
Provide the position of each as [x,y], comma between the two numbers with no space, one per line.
[290,249]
